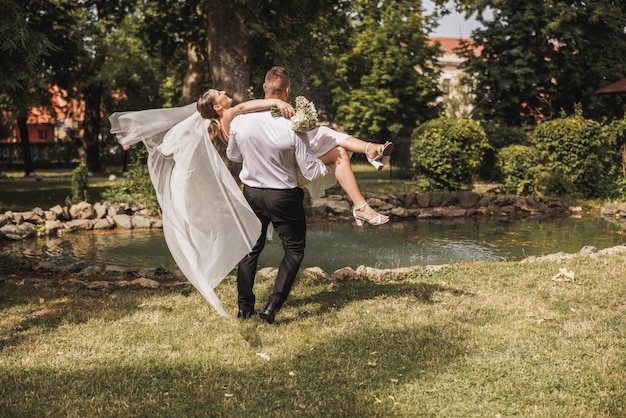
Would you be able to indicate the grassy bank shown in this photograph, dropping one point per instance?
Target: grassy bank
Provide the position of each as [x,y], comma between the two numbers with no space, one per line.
[493,339]
[49,188]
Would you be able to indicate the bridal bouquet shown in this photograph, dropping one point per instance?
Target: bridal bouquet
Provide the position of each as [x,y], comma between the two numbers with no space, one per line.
[305,118]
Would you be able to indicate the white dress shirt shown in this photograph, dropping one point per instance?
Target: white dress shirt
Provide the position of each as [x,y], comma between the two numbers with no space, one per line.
[271,152]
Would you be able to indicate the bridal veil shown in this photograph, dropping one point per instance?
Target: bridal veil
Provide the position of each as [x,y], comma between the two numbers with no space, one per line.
[207,223]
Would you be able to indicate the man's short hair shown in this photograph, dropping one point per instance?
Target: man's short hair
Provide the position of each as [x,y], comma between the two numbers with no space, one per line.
[277,80]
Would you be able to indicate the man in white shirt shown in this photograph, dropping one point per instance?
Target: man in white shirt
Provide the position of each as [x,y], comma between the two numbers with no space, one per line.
[271,154]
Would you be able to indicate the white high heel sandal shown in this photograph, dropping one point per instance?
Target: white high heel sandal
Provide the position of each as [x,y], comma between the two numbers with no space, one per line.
[382,151]
[378,219]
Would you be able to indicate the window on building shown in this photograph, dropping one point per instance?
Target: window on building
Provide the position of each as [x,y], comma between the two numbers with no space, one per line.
[445,85]
[43,135]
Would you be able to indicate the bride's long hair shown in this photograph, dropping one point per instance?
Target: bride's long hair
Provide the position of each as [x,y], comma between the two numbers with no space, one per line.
[205,107]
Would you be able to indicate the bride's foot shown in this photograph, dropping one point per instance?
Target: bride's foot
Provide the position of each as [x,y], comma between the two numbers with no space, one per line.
[365,213]
[377,152]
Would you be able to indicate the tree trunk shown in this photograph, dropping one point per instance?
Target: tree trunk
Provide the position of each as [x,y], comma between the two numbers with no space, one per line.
[220,64]
[29,166]
[91,135]
[227,52]
[196,77]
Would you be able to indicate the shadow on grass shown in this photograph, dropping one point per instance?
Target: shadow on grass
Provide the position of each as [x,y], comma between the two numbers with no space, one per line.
[348,292]
[354,373]
[49,306]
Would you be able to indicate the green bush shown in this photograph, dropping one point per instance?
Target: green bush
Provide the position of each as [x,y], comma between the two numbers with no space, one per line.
[576,151]
[554,183]
[499,137]
[137,188]
[519,166]
[80,185]
[616,134]
[447,152]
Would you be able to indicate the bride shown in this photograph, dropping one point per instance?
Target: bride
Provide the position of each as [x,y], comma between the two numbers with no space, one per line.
[330,146]
[207,224]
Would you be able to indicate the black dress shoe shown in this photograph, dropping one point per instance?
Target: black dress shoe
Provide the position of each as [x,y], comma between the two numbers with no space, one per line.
[242,314]
[269,313]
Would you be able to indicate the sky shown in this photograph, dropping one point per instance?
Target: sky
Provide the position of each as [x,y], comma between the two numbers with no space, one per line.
[453,25]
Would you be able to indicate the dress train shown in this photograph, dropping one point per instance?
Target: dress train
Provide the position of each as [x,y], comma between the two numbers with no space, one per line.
[207,223]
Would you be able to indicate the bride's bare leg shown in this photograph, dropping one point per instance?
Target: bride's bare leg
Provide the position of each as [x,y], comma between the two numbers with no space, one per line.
[353,144]
[345,176]
[359,146]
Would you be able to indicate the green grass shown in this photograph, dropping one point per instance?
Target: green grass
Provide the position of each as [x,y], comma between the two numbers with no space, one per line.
[492,339]
[18,193]
[26,195]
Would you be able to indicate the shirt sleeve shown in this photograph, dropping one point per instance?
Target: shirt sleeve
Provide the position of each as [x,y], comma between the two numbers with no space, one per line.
[232,149]
[310,166]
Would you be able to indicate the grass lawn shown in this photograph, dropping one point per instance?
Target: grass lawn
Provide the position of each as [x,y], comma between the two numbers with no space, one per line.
[50,188]
[487,340]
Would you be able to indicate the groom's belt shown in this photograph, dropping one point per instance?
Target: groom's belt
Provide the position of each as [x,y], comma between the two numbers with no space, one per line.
[270,189]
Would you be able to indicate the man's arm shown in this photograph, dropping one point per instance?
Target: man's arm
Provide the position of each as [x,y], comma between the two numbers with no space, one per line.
[232,149]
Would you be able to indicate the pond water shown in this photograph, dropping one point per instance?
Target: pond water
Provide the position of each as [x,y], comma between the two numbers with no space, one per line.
[333,246]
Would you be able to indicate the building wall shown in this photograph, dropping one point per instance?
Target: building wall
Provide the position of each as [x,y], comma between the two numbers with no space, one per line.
[53,122]
[457,99]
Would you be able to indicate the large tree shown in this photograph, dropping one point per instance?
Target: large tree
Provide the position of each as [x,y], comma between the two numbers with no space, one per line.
[64,43]
[101,20]
[23,46]
[387,79]
[537,58]
[233,43]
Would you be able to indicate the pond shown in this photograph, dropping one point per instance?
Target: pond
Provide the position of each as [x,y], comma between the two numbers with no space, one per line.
[333,246]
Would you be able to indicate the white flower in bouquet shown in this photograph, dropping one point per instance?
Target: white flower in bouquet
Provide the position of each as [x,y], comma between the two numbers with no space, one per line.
[305,118]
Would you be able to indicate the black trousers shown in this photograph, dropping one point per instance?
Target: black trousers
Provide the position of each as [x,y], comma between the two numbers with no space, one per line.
[285,210]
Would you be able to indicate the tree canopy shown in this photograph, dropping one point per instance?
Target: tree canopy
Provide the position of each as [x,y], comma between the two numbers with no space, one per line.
[369,66]
[538,58]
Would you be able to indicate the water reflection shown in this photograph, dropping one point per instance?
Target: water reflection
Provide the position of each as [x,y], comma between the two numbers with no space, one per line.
[398,244]
[123,248]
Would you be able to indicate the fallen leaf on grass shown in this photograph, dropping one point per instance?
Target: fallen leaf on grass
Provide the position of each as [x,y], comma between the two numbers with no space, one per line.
[564,275]
[264,356]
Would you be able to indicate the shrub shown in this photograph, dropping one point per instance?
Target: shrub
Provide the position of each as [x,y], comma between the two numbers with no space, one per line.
[519,166]
[499,137]
[616,134]
[137,188]
[576,151]
[447,152]
[554,183]
[80,185]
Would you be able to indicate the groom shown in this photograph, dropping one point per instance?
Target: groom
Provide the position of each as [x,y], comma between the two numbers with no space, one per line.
[271,154]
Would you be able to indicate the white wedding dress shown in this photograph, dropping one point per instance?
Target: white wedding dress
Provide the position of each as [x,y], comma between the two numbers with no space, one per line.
[321,140]
[207,223]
